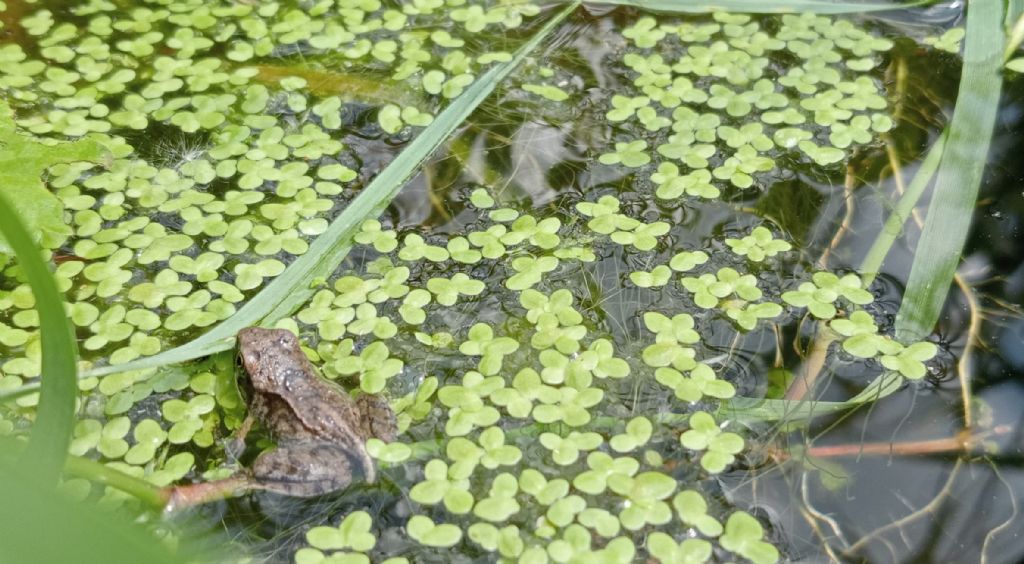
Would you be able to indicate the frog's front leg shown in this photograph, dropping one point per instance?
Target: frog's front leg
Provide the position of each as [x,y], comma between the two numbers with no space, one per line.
[236,445]
[308,468]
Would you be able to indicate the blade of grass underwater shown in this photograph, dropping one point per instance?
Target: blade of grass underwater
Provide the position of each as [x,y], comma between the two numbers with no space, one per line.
[872,263]
[761,7]
[55,415]
[756,410]
[959,175]
[294,286]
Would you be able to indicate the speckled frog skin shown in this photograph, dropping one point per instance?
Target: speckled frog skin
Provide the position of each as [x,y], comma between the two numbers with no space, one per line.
[320,430]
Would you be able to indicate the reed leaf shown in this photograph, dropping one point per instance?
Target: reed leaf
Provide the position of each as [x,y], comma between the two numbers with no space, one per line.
[960,173]
[55,414]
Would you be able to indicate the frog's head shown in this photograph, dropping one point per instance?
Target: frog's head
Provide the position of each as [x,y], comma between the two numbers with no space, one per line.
[260,351]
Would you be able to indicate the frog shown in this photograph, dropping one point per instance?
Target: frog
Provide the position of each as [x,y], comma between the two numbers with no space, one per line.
[319,429]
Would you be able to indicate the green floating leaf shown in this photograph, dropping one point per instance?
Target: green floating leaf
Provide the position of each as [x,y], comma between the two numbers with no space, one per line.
[427,533]
[743,537]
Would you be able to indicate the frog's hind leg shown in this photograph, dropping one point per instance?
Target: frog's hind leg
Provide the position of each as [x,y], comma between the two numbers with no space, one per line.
[308,469]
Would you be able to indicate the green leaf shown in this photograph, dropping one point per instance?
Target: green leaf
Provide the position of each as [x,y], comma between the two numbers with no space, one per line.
[959,175]
[424,531]
[23,160]
[55,414]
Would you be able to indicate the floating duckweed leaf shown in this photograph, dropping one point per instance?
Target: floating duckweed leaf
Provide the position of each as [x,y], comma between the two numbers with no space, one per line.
[742,536]
[708,289]
[602,467]
[629,153]
[909,361]
[625,107]
[948,41]
[391,453]
[672,185]
[565,450]
[481,199]
[687,260]
[492,350]
[644,236]
[665,549]
[447,291]
[704,434]
[653,279]
[438,486]
[148,437]
[542,233]
[862,338]
[638,432]
[427,533]
[415,248]
[529,271]
[500,503]
[693,511]
[758,245]
[352,533]
[186,416]
[390,118]
[645,492]
[748,315]
[819,295]
[374,364]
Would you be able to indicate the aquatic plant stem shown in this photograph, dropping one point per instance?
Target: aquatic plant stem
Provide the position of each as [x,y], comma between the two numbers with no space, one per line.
[94,471]
[144,491]
[871,265]
[812,365]
[964,442]
[844,227]
[965,367]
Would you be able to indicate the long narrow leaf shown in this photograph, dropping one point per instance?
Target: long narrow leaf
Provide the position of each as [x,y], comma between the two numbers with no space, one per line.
[294,286]
[872,263]
[55,415]
[960,172]
[761,7]
[749,410]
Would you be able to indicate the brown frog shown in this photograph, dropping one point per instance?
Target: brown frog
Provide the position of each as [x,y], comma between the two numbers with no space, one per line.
[320,430]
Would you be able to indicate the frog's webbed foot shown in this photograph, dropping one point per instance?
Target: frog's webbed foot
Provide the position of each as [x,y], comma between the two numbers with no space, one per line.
[309,469]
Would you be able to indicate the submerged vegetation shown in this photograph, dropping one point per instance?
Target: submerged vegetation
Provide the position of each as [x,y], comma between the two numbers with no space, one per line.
[578,342]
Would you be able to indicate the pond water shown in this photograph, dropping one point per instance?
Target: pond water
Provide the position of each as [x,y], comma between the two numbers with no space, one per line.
[627,280]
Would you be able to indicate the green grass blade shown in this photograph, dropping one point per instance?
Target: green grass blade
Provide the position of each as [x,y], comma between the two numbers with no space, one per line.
[752,410]
[760,7]
[294,286]
[959,175]
[872,263]
[55,415]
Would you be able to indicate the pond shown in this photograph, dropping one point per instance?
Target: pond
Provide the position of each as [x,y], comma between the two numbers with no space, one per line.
[614,281]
